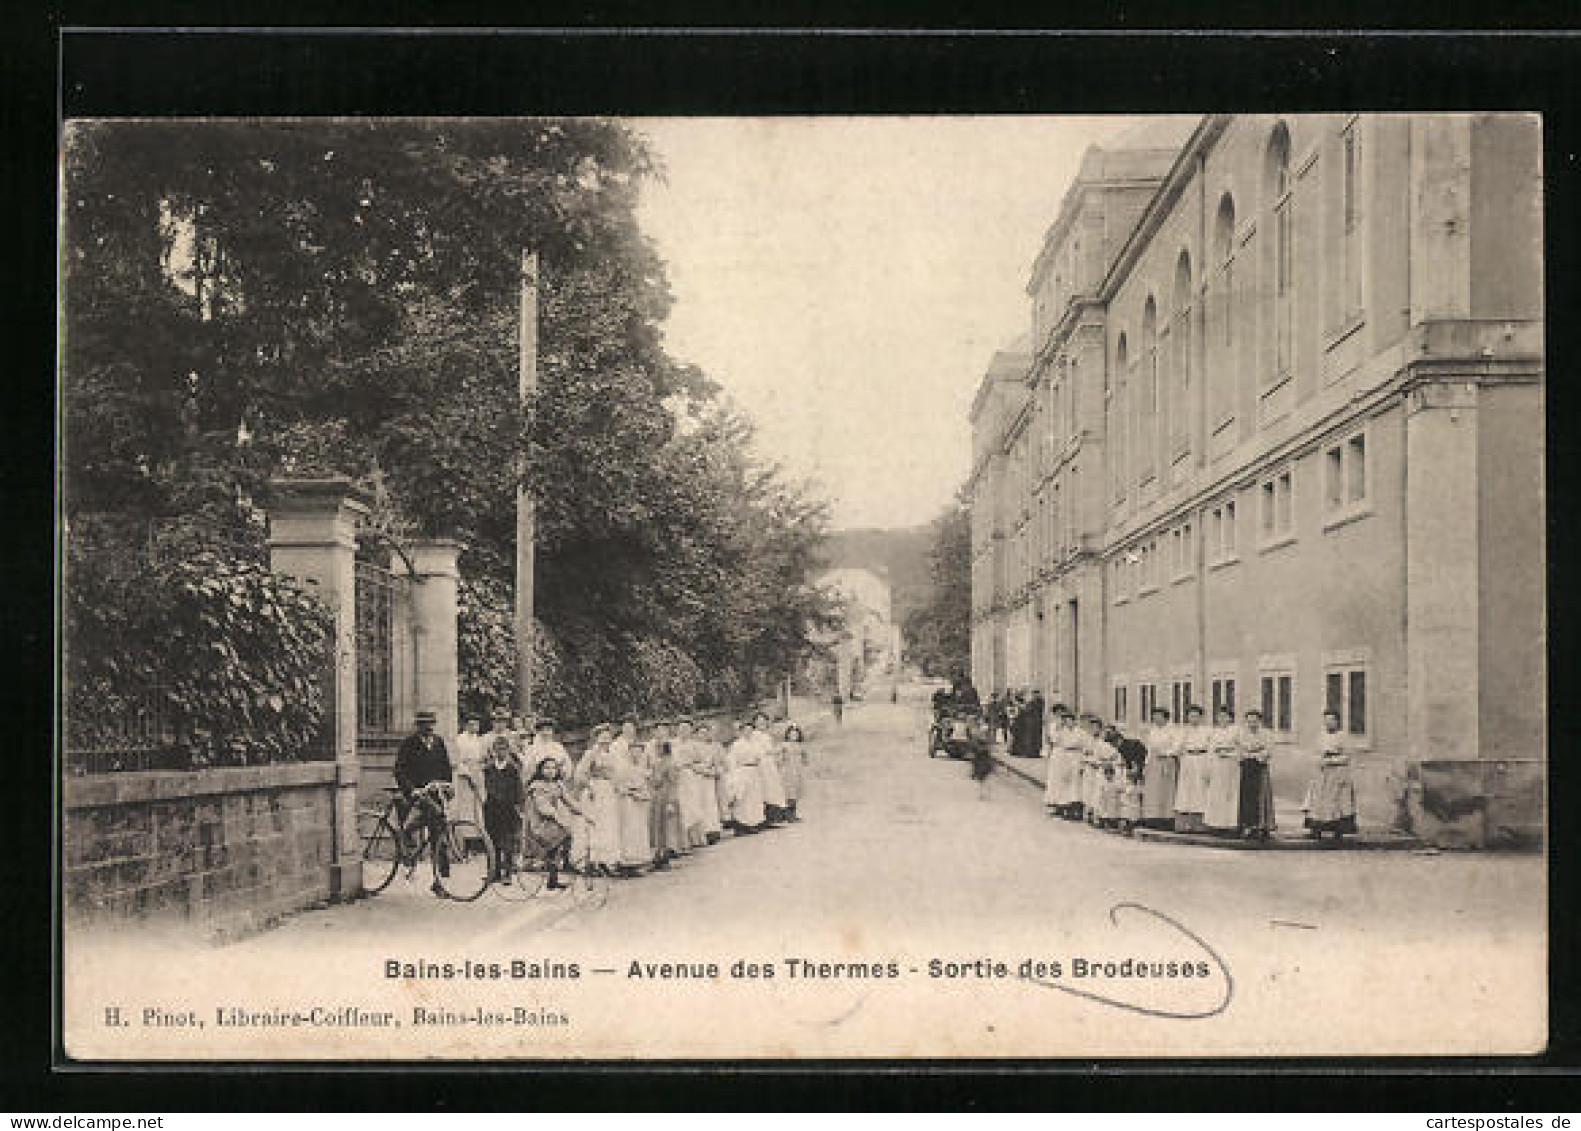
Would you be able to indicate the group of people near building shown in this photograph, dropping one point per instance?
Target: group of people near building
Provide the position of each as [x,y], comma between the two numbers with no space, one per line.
[1017,718]
[639,798]
[1188,776]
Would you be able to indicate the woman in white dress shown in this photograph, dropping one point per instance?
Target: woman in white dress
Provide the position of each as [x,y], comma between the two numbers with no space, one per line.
[467,772]
[746,783]
[774,796]
[635,786]
[596,774]
[1191,798]
[1162,773]
[687,752]
[1330,803]
[1222,810]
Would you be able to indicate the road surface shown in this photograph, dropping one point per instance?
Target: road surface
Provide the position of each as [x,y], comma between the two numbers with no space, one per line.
[936,898]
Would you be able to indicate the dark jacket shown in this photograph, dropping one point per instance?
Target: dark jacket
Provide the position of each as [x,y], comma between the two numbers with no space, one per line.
[417,765]
[502,787]
[1133,753]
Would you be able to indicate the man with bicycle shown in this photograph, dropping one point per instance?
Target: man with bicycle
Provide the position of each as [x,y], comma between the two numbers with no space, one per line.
[421,762]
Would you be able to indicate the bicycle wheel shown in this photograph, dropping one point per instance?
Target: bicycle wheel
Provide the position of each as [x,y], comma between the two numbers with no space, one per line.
[381,851]
[527,880]
[470,859]
[589,890]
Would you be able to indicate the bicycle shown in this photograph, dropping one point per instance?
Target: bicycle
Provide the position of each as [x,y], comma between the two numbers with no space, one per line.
[530,875]
[463,861]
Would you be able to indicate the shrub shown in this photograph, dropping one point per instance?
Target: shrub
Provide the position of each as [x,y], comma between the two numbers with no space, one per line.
[210,658]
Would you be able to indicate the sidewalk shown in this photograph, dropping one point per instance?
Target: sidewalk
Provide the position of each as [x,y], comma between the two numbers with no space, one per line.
[1289,837]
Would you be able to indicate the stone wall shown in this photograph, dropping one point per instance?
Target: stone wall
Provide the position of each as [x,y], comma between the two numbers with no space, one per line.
[228,849]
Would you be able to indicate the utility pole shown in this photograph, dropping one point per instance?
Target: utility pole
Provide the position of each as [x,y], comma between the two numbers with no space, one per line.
[526,516]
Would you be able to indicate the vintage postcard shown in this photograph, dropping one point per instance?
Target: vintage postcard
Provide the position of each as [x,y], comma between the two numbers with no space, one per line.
[944,586]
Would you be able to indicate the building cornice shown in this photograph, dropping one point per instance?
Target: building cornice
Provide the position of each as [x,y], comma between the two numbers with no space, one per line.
[1201,141]
[1413,375]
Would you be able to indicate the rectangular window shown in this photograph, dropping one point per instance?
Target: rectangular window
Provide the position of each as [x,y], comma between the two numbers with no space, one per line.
[1356,468]
[1223,695]
[1278,506]
[1228,321]
[1227,546]
[1278,693]
[1345,474]
[1284,286]
[1351,236]
[1345,693]
[1119,703]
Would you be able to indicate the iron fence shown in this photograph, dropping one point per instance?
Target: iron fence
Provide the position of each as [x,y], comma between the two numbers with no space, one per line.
[381,597]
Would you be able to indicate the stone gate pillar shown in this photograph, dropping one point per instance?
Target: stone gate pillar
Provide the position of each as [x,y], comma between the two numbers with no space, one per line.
[312,537]
[435,579]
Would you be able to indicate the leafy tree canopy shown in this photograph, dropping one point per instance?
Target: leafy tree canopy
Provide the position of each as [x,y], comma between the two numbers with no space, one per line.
[252,299]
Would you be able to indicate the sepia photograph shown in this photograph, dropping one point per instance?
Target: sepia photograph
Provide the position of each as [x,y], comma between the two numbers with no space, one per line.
[548,589]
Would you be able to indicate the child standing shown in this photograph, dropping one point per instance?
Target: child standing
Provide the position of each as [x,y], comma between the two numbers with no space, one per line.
[502,785]
[549,815]
[793,767]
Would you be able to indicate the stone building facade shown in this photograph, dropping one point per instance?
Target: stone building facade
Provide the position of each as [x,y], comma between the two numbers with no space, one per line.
[1279,443]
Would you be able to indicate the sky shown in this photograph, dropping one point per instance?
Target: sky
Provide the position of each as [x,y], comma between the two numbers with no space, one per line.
[847,281]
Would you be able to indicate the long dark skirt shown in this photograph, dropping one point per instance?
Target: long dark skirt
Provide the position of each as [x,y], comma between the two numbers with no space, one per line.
[982,765]
[1257,797]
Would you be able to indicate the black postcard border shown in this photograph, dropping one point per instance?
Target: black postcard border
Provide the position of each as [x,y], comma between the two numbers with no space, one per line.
[575,68]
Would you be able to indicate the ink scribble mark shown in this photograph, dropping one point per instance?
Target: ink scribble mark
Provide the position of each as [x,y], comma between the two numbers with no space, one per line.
[1148,1011]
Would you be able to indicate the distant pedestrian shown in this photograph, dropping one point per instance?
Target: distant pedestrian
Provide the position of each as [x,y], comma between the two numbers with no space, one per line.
[994,715]
[837,705]
[1330,802]
[982,767]
[1027,741]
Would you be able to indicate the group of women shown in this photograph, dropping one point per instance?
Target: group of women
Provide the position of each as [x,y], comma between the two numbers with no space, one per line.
[1188,776]
[636,800]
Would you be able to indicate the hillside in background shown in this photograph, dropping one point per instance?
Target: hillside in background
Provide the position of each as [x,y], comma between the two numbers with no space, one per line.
[900,555]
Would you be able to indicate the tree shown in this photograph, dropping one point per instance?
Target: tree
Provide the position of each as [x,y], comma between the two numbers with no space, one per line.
[251,299]
[939,633]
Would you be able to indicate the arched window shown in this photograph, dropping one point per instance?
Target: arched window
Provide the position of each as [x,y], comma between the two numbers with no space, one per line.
[1220,337]
[1147,407]
[1277,193]
[1180,416]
